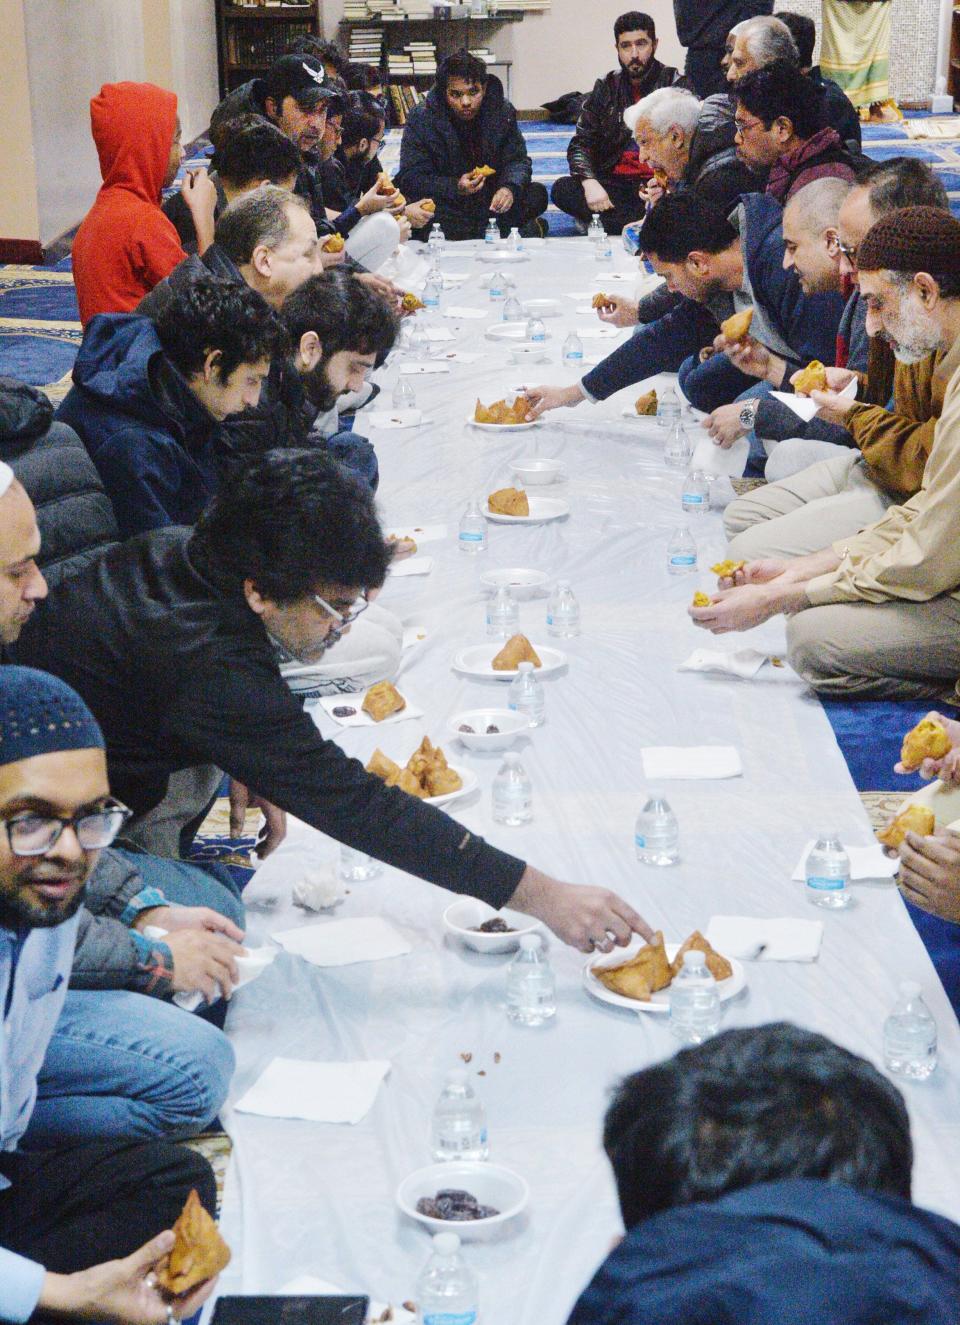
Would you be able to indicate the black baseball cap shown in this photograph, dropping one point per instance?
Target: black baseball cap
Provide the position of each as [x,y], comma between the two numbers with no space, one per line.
[301,77]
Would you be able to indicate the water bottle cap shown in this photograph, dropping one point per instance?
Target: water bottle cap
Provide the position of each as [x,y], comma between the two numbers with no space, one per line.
[447,1244]
[694,960]
[457,1076]
[511,758]
[910,989]
[563,584]
[525,667]
[531,942]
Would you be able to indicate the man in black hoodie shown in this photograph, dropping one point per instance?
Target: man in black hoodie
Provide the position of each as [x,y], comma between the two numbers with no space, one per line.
[464,125]
[702,26]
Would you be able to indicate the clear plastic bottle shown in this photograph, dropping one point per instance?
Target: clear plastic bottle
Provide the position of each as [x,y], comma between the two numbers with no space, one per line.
[419,341]
[677,449]
[695,493]
[668,408]
[472,536]
[433,288]
[448,1291]
[694,1001]
[681,552]
[563,612]
[458,1129]
[515,241]
[512,793]
[910,1035]
[512,308]
[437,240]
[603,249]
[536,331]
[657,833]
[595,228]
[404,396]
[572,351]
[531,986]
[525,695]
[498,287]
[828,872]
[492,232]
[357,866]
[503,614]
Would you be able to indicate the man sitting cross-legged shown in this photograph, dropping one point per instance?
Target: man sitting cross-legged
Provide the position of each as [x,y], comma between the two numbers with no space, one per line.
[879,613]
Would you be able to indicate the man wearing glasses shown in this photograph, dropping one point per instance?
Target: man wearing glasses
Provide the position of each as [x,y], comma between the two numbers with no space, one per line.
[67,1214]
[173,639]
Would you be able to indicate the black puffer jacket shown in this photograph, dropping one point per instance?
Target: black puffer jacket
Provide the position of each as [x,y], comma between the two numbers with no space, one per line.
[601,135]
[707,22]
[74,514]
[714,170]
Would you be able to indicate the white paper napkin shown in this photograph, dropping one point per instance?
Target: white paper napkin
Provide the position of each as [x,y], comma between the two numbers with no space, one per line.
[318,1092]
[412,636]
[870,862]
[420,533]
[437,335]
[601,331]
[390,420]
[308,1285]
[255,963]
[783,940]
[460,356]
[455,277]
[804,406]
[458,311]
[410,566]
[743,662]
[579,294]
[713,459]
[360,719]
[343,942]
[423,367]
[691,761]
[607,277]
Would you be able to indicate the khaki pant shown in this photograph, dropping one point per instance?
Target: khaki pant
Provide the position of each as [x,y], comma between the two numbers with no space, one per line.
[189,793]
[806,512]
[893,650]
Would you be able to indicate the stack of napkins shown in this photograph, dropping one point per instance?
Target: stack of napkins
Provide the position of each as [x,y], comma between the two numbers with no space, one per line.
[317,1092]
[870,862]
[742,662]
[691,761]
[343,942]
[782,940]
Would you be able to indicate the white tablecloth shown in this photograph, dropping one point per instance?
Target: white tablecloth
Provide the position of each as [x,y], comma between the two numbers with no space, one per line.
[318,1199]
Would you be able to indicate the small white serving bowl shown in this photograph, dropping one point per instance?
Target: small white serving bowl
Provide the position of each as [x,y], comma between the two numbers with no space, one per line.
[528,351]
[535,472]
[521,582]
[510,724]
[491,1184]
[460,918]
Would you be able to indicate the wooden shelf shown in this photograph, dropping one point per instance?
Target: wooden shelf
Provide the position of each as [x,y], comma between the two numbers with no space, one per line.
[296,13]
[250,38]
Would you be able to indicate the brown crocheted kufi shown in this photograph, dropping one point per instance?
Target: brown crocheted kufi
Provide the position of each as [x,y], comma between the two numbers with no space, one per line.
[911,240]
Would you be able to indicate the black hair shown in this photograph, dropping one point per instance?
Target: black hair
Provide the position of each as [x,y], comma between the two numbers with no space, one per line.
[803,30]
[364,118]
[327,52]
[291,521]
[781,90]
[898,182]
[223,128]
[256,152]
[210,314]
[261,216]
[344,312]
[683,223]
[750,1106]
[362,77]
[461,64]
[634,21]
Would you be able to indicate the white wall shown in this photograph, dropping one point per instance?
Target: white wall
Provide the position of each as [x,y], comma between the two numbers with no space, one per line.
[193,40]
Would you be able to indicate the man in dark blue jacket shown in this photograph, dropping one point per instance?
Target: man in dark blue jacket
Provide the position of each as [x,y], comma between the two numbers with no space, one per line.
[464,125]
[148,399]
[765,1177]
[719,266]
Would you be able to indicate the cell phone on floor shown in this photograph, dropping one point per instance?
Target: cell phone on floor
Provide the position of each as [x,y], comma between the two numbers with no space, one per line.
[350,1310]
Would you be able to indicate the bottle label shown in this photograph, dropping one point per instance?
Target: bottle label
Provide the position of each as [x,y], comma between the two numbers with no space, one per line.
[692,499]
[574,356]
[682,559]
[823,884]
[471,538]
[449,1318]
[639,841]
[549,618]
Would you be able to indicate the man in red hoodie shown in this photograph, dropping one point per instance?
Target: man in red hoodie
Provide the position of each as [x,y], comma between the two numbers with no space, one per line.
[125,244]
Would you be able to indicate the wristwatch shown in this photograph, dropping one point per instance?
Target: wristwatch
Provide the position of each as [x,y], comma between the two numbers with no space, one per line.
[748,414]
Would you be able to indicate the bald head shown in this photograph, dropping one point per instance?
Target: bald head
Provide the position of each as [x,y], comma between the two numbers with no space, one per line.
[811,234]
[816,206]
[21,584]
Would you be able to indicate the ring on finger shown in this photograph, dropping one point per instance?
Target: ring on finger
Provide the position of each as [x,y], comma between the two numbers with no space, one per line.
[171,1318]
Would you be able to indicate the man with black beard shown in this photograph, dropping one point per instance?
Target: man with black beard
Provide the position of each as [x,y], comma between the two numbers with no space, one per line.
[606,172]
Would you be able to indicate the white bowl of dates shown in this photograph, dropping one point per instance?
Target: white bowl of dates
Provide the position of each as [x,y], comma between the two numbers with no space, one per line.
[468,1197]
[483,929]
[487,729]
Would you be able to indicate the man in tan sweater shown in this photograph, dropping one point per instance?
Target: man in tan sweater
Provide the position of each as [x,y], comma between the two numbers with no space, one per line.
[878,614]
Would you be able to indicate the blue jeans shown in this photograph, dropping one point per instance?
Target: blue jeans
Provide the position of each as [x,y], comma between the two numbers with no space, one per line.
[122,1064]
[714,383]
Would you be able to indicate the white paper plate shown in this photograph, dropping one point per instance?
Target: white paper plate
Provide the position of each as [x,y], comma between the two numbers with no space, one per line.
[659,1002]
[521,582]
[541,307]
[498,255]
[628,412]
[500,427]
[511,331]
[541,509]
[469,779]
[476,660]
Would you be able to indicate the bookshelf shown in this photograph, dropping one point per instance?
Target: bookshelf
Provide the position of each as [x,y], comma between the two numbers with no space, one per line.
[251,36]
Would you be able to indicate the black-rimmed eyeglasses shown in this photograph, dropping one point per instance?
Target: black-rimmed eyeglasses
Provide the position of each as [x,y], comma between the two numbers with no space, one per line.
[36,834]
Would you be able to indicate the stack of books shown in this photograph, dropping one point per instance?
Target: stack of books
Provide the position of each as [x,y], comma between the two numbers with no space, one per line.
[485,54]
[424,56]
[366,45]
[399,65]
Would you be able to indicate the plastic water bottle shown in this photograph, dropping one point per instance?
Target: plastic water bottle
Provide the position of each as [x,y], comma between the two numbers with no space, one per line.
[404,396]
[677,449]
[525,695]
[512,793]
[657,834]
[695,493]
[910,1035]
[512,308]
[531,987]
[459,1127]
[357,866]
[603,249]
[563,612]
[419,341]
[828,872]
[472,536]
[515,242]
[448,1291]
[572,351]
[433,288]
[498,286]
[668,408]
[694,1001]
[503,614]
[595,228]
[536,331]
[681,552]
[436,240]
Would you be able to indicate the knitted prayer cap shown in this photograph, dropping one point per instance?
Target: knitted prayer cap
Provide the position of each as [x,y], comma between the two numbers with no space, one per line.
[41,715]
[911,240]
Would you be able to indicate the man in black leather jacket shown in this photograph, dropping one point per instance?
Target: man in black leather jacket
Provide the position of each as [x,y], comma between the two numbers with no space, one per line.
[606,172]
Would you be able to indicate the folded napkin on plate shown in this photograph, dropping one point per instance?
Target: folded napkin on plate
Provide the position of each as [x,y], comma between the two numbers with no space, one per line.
[389,420]
[308,1285]
[318,1092]
[691,761]
[360,719]
[466,313]
[743,662]
[343,942]
[783,940]
[870,862]
[804,406]
[423,367]
[410,566]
